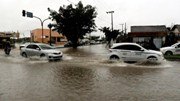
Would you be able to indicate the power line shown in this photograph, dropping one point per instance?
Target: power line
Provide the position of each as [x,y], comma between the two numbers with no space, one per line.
[71,2]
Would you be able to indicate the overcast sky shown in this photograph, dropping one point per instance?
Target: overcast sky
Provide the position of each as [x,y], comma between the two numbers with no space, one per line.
[131,12]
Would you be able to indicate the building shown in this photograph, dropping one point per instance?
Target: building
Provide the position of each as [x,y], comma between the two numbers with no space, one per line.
[8,36]
[56,38]
[149,34]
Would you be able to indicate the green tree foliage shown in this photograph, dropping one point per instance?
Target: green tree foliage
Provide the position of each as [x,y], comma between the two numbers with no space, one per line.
[110,35]
[170,39]
[74,23]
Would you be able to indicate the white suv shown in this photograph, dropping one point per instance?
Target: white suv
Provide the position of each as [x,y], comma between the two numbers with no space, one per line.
[133,52]
[171,50]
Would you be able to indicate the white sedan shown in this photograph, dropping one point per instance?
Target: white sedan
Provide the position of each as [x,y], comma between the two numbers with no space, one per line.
[171,50]
[133,52]
[42,50]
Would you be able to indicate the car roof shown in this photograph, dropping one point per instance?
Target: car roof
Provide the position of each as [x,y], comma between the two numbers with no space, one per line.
[176,43]
[125,43]
[38,43]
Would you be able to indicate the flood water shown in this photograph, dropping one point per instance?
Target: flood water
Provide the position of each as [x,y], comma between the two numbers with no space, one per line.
[86,74]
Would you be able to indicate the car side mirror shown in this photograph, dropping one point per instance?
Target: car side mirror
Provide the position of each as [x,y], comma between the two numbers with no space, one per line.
[38,49]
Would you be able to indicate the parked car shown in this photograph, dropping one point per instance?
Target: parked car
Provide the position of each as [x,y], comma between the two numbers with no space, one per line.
[171,50]
[70,44]
[42,50]
[133,52]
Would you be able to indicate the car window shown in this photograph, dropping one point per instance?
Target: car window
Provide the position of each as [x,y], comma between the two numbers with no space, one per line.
[128,47]
[178,46]
[46,47]
[35,46]
[134,47]
[32,46]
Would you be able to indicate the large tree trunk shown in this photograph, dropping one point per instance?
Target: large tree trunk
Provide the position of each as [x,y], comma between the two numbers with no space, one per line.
[75,43]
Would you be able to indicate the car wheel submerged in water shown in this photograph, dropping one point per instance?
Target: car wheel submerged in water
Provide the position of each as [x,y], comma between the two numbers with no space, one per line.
[168,53]
[24,54]
[114,57]
[42,55]
[152,59]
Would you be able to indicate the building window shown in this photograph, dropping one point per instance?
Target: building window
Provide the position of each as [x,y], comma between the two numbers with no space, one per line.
[58,39]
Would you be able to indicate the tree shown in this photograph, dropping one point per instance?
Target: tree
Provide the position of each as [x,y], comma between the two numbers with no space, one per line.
[170,39]
[74,23]
[110,35]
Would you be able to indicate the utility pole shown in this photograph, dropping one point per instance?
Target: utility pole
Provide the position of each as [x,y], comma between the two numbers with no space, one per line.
[122,28]
[50,27]
[42,22]
[30,15]
[111,12]
[125,28]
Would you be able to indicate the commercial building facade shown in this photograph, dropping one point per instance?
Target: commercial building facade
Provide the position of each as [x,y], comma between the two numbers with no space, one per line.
[149,34]
[56,38]
[8,36]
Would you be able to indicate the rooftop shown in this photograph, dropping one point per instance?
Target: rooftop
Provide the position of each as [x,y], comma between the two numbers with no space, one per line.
[158,28]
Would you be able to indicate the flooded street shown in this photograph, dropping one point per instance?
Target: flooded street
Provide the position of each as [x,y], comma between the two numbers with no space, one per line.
[86,74]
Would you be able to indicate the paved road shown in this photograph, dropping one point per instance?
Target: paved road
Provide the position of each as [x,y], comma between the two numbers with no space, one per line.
[86,74]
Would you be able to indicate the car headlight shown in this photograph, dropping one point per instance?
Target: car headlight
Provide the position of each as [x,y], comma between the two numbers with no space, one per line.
[160,55]
[57,53]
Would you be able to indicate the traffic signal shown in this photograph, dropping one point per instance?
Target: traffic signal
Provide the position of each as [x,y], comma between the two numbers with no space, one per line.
[30,14]
[23,13]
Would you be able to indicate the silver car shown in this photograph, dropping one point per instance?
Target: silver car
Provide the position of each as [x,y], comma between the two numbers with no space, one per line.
[42,50]
[23,45]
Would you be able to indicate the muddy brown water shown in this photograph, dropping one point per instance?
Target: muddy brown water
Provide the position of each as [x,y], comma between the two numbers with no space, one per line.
[86,74]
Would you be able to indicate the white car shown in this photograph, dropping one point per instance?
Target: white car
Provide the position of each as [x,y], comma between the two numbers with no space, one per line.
[171,50]
[133,52]
[42,50]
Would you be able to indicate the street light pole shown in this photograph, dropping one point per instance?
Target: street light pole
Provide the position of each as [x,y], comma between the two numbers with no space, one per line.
[42,21]
[50,26]
[122,28]
[111,18]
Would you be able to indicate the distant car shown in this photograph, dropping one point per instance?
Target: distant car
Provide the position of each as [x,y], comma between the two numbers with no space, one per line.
[23,45]
[42,50]
[133,52]
[171,50]
[68,44]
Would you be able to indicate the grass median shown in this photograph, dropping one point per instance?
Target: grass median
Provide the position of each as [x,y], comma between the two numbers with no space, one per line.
[172,57]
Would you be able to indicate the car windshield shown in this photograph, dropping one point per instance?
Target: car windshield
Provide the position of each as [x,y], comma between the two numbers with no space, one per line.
[46,47]
[174,45]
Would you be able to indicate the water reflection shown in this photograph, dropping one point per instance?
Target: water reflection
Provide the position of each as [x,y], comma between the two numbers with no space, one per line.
[74,78]
[85,74]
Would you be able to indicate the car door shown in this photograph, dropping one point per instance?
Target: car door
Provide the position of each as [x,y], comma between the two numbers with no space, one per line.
[177,49]
[137,53]
[29,50]
[36,51]
[124,52]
